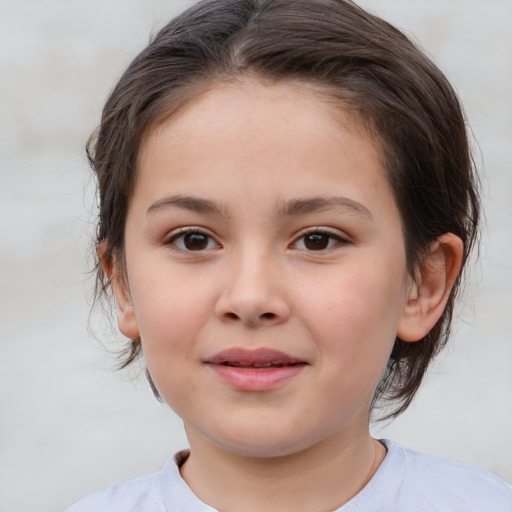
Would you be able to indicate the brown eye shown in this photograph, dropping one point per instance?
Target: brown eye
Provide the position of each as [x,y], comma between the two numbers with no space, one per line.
[193,241]
[317,241]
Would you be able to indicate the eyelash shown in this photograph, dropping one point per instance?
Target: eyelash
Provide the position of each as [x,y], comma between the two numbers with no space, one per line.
[338,238]
[183,232]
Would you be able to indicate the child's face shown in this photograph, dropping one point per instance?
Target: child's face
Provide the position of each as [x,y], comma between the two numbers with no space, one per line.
[261,223]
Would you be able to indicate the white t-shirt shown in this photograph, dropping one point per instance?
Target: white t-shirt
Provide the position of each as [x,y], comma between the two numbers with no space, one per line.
[406,481]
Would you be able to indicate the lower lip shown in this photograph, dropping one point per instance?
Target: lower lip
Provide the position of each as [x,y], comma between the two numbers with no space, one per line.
[251,379]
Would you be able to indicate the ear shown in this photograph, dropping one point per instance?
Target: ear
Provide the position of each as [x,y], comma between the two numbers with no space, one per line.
[428,297]
[126,317]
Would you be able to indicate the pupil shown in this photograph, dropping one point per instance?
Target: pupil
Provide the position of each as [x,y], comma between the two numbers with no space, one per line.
[316,241]
[195,241]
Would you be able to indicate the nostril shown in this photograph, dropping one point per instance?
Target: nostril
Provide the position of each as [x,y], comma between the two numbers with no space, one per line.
[232,316]
[268,315]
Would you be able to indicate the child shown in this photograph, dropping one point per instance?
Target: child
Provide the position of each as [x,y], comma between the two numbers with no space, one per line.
[287,201]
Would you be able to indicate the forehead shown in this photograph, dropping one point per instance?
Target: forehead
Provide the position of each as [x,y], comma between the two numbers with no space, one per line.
[265,143]
[203,107]
[254,118]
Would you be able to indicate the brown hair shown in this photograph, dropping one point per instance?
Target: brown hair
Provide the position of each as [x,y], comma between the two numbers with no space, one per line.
[398,94]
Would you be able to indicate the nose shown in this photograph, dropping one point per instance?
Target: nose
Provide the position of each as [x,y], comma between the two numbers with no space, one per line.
[254,294]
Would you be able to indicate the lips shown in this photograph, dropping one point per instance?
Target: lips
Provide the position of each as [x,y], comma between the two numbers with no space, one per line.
[258,358]
[255,370]
[276,364]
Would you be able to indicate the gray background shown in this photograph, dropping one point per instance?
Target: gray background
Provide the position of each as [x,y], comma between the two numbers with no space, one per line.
[70,425]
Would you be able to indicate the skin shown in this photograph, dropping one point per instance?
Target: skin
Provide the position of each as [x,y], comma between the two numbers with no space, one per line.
[255,281]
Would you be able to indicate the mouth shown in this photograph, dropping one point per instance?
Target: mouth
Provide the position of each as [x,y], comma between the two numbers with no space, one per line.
[260,366]
[261,358]
[255,370]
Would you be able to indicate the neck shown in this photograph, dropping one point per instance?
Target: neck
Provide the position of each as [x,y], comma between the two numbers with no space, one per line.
[320,478]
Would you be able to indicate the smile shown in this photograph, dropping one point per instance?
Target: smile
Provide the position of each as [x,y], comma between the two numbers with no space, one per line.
[273,364]
[254,370]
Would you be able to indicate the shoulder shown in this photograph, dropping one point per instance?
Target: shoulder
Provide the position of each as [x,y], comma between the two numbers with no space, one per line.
[139,495]
[439,484]
[159,492]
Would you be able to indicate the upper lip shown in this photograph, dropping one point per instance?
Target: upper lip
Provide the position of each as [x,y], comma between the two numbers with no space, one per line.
[247,357]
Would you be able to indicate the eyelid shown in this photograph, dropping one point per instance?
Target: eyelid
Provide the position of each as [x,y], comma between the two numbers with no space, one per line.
[336,234]
[179,232]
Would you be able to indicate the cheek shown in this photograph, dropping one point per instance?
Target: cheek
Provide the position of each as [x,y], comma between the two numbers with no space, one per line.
[355,314]
[170,314]
[167,332]
[167,307]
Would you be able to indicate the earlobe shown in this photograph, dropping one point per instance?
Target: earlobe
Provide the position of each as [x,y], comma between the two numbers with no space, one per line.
[428,297]
[126,317]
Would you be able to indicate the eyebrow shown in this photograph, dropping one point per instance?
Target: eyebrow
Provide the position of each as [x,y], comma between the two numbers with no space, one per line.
[194,204]
[284,208]
[315,204]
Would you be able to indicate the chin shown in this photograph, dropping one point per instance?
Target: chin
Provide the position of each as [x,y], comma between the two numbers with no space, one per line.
[261,450]
[262,443]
